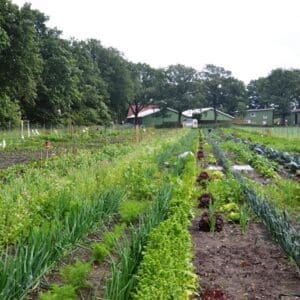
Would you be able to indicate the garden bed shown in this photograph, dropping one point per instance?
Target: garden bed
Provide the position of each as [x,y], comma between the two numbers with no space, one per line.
[249,266]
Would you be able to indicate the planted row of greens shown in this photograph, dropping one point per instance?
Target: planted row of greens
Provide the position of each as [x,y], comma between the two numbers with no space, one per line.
[47,190]
[285,193]
[244,155]
[89,196]
[277,221]
[124,280]
[143,183]
[221,197]
[278,143]
[166,271]
[289,161]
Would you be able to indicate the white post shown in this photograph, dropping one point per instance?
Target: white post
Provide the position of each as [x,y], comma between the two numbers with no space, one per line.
[28,129]
[22,130]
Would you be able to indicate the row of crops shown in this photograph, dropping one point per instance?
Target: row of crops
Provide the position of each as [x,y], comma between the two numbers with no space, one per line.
[49,209]
[272,202]
[128,207]
[81,137]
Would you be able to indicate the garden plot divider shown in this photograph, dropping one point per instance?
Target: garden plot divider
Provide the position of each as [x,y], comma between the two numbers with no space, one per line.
[277,222]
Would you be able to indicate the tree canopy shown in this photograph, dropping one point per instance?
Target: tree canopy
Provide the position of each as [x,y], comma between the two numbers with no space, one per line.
[45,78]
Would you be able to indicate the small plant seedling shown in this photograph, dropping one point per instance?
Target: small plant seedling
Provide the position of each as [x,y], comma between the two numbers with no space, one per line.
[100,251]
[103,249]
[244,218]
[131,210]
[77,274]
[66,292]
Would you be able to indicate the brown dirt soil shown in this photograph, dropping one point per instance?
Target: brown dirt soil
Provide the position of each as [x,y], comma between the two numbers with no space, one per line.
[243,267]
[8,159]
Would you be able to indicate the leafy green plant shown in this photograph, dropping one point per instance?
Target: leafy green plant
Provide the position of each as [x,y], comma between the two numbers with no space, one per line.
[130,210]
[100,251]
[245,155]
[66,292]
[166,271]
[103,249]
[77,274]
[225,191]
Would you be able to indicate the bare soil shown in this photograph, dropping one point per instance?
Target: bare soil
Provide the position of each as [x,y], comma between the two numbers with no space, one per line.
[11,158]
[249,266]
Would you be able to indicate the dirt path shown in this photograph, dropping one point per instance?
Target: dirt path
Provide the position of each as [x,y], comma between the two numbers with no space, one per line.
[244,267]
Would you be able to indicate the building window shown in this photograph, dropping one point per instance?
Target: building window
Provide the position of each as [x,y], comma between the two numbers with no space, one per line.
[253,115]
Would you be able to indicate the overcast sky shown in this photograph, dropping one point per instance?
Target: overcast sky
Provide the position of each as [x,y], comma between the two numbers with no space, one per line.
[247,37]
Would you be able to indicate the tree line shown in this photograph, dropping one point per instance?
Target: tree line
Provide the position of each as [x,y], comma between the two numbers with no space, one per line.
[45,78]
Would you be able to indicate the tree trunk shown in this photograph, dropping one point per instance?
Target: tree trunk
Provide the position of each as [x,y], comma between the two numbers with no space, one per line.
[283,119]
[215,115]
[179,118]
[136,120]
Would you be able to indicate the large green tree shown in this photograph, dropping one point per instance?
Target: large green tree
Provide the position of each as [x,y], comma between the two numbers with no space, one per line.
[115,71]
[58,88]
[181,88]
[20,58]
[283,90]
[280,89]
[147,87]
[221,90]
[257,93]
[92,102]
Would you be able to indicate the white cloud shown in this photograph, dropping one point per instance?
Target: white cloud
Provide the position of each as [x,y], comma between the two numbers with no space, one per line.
[248,37]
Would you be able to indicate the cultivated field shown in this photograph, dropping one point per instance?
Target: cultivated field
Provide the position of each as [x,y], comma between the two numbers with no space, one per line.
[284,132]
[150,214]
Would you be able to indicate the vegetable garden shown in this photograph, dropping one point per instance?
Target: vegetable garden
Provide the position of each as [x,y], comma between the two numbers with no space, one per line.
[165,214]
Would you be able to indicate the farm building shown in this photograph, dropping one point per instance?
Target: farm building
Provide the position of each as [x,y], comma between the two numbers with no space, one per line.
[151,116]
[264,117]
[206,115]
